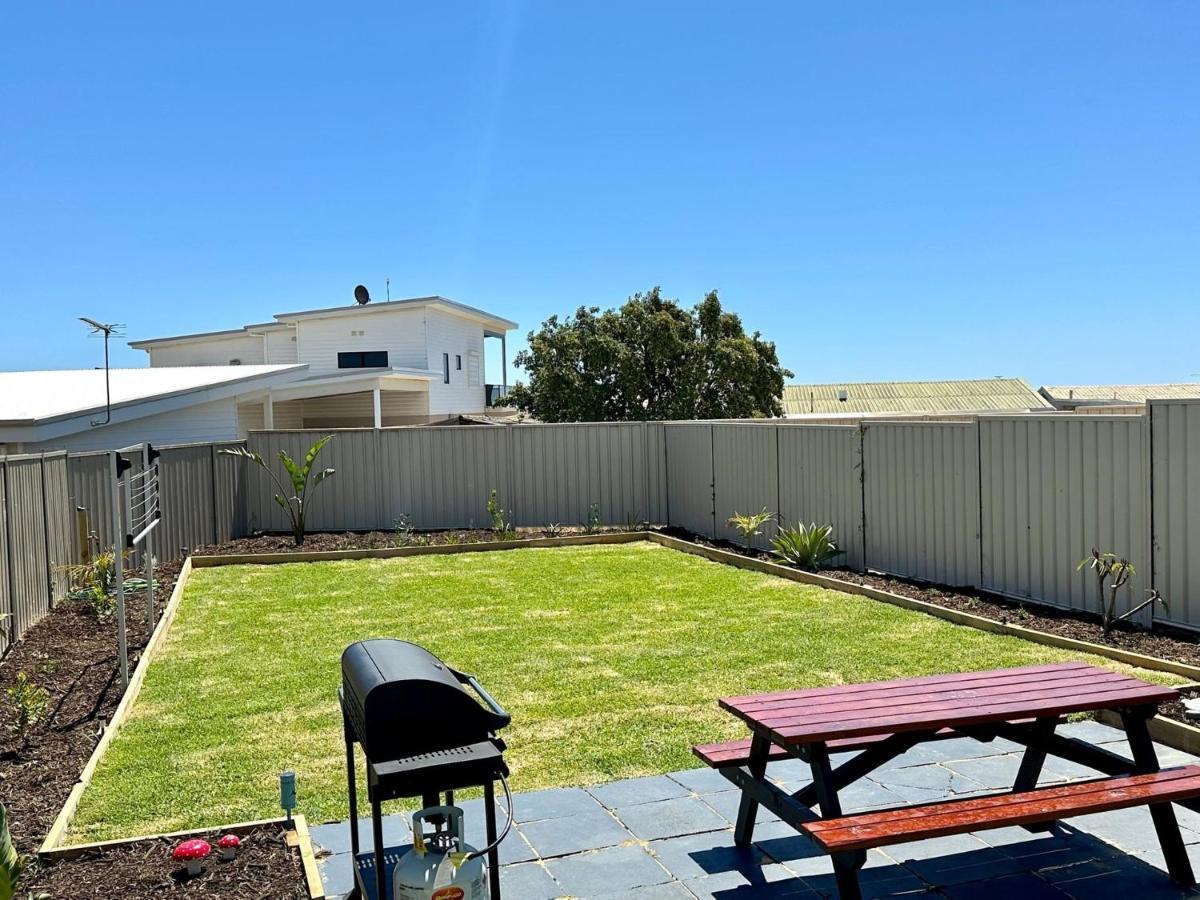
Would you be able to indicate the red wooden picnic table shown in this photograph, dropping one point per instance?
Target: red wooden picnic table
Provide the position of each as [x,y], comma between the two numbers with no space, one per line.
[885,719]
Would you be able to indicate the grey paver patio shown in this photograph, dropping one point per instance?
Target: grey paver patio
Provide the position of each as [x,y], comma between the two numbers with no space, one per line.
[670,837]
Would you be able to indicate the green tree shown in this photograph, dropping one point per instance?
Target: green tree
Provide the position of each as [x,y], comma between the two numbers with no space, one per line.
[650,359]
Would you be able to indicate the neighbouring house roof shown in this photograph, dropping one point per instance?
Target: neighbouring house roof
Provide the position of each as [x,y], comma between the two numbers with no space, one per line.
[65,397]
[973,395]
[494,326]
[1067,394]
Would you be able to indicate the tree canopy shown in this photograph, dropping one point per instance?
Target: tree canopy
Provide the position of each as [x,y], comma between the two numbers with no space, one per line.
[650,359]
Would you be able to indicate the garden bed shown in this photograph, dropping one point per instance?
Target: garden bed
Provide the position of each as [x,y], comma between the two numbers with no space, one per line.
[266,868]
[74,657]
[1163,642]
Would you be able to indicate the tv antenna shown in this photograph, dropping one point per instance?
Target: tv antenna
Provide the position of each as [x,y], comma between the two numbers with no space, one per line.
[361,295]
[388,284]
[108,331]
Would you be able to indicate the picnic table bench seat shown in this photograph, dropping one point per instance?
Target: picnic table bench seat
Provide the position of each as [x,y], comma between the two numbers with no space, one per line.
[863,831]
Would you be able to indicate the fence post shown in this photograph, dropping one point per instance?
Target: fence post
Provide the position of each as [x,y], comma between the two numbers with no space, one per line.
[862,490]
[11,627]
[46,535]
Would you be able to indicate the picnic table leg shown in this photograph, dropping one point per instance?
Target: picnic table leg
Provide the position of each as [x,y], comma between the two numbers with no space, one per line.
[1033,760]
[1141,745]
[845,865]
[743,832]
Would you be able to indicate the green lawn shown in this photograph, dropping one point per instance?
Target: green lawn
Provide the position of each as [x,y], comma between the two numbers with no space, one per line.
[610,659]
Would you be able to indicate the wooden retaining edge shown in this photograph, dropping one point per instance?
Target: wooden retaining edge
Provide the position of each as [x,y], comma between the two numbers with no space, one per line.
[574,540]
[950,615]
[1171,732]
[296,836]
[61,823]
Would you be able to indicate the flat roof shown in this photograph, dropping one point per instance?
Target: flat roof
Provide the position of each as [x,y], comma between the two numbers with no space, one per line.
[964,395]
[1120,393]
[282,320]
[32,398]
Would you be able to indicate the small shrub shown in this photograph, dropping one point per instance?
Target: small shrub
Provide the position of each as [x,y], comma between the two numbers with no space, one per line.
[1112,574]
[808,547]
[502,526]
[94,583]
[750,527]
[594,522]
[10,860]
[553,530]
[29,702]
[402,529]
[302,479]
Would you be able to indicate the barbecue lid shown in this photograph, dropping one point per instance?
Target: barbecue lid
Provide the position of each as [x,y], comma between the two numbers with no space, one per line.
[402,700]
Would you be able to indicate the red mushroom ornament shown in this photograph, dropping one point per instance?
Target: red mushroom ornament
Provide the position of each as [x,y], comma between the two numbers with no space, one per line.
[229,846]
[193,853]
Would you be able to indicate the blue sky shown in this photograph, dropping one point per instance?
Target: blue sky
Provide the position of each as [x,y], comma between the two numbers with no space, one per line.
[887,190]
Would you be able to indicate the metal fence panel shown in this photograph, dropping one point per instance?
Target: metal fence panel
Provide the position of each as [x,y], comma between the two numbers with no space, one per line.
[348,501]
[7,630]
[921,496]
[745,476]
[442,477]
[1175,463]
[90,489]
[690,490]
[560,471]
[820,481]
[230,503]
[1053,488]
[656,472]
[28,572]
[186,498]
[60,523]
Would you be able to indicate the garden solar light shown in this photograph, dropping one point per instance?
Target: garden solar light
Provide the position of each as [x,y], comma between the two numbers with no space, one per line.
[229,846]
[287,792]
[193,853]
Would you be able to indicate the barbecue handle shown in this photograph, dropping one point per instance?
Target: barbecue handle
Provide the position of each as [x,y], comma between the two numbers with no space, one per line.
[484,695]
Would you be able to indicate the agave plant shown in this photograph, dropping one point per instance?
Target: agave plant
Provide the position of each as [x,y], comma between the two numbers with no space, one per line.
[10,860]
[302,478]
[808,547]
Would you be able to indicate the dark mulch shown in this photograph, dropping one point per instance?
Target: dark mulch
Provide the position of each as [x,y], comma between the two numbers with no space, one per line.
[1165,643]
[265,867]
[373,540]
[74,657]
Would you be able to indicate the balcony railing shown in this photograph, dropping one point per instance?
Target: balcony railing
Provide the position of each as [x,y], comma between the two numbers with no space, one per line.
[496,393]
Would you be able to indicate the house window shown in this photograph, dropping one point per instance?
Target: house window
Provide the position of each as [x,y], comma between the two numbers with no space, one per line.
[458,362]
[363,359]
[445,368]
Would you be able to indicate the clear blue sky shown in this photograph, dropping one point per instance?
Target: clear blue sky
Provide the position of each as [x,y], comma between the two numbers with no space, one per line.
[887,190]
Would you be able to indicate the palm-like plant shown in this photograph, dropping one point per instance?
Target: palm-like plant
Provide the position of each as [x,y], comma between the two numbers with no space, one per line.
[1112,574]
[806,546]
[295,503]
[10,860]
[750,526]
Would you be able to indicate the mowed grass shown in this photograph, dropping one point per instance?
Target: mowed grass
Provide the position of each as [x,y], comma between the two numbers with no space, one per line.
[609,658]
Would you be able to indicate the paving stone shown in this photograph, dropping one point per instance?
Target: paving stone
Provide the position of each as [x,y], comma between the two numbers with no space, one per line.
[633,791]
[1127,829]
[993,773]
[556,803]
[919,784]
[529,881]
[587,831]
[727,803]
[1075,871]
[1025,886]
[782,843]
[337,874]
[771,882]
[672,890]
[969,748]
[877,883]
[609,871]
[789,771]
[867,794]
[1065,770]
[954,860]
[702,781]
[1093,732]
[698,855]
[335,836]
[1126,883]
[670,818]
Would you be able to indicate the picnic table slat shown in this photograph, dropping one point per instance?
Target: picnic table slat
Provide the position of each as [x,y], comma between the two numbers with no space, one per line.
[973,713]
[1000,810]
[870,686]
[891,706]
[819,698]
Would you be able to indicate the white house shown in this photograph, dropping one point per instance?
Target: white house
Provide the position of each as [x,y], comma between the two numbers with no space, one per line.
[401,362]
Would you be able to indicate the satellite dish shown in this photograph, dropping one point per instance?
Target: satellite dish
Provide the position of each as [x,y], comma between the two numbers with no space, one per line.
[361,295]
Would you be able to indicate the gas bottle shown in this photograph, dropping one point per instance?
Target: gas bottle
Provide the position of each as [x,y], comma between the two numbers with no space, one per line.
[438,867]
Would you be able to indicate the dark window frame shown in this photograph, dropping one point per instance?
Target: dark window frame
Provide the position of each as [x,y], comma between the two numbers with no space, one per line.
[362,359]
[445,368]
[458,362]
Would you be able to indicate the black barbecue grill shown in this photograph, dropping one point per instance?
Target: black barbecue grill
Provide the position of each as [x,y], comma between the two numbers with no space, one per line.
[422,735]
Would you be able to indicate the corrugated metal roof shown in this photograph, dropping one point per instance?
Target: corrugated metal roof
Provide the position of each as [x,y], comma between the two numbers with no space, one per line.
[973,395]
[1119,393]
[38,396]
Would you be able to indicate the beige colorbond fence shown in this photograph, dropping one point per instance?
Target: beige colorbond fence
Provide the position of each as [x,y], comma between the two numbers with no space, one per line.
[35,540]
[1006,503]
